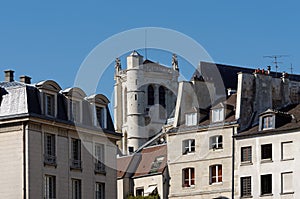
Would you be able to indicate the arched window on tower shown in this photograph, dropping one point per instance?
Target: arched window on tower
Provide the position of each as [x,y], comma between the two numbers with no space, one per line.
[162,96]
[150,95]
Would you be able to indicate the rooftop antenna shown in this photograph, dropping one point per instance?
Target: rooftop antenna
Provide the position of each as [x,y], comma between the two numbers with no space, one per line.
[291,68]
[276,62]
[146,44]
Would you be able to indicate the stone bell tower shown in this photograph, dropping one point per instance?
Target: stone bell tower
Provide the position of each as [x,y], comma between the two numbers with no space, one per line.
[145,95]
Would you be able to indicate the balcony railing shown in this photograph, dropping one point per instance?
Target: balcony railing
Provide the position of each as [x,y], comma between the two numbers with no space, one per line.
[99,167]
[75,164]
[49,159]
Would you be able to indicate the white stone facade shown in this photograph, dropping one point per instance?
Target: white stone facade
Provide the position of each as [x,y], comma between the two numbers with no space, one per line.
[140,111]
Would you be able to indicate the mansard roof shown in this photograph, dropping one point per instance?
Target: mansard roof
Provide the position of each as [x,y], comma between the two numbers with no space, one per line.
[22,100]
[289,115]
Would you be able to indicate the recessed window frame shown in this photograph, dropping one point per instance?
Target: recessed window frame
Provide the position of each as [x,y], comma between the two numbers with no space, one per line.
[100,190]
[216,142]
[49,187]
[246,186]
[75,150]
[266,184]
[101,116]
[283,191]
[215,174]
[218,115]
[191,119]
[266,152]
[77,116]
[283,151]
[99,158]
[188,177]
[246,154]
[188,146]
[49,149]
[76,189]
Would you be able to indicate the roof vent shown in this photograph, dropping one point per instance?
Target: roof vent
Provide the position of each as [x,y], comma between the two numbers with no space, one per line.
[9,75]
[25,79]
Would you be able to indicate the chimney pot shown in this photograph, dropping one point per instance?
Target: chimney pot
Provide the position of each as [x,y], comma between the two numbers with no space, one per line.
[9,75]
[25,79]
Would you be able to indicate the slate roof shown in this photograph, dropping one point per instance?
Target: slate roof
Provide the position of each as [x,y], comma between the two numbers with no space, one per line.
[292,110]
[18,99]
[122,165]
[229,73]
[149,155]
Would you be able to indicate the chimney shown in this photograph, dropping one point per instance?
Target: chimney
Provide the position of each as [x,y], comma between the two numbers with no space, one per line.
[25,79]
[9,75]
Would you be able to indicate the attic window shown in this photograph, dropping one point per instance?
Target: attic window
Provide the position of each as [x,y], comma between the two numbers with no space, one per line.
[267,122]
[75,110]
[49,105]
[191,119]
[156,164]
[218,115]
[101,117]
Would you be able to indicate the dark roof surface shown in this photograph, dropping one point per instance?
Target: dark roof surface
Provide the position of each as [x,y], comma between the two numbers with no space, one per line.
[293,110]
[122,165]
[148,157]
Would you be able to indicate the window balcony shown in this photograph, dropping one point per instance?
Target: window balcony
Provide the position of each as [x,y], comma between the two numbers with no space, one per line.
[100,167]
[76,164]
[49,160]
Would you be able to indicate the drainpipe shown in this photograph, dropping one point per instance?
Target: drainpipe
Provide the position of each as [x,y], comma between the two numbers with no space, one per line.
[24,161]
[233,161]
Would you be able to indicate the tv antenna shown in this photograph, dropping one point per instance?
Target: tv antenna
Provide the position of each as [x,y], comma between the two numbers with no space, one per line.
[275,62]
[291,68]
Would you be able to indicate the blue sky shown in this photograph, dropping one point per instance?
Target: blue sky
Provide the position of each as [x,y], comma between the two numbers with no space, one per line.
[50,39]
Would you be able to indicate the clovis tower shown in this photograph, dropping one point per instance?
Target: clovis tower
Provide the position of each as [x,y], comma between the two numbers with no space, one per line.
[145,96]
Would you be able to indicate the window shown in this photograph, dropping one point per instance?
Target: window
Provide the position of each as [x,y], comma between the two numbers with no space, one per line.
[215,173]
[150,95]
[100,190]
[216,142]
[246,154]
[76,189]
[50,187]
[287,183]
[266,184]
[49,105]
[139,191]
[75,110]
[101,117]
[191,119]
[188,177]
[76,154]
[188,146]
[131,149]
[49,149]
[162,96]
[267,122]
[287,151]
[99,158]
[245,186]
[266,152]
[156,164]
[218,115]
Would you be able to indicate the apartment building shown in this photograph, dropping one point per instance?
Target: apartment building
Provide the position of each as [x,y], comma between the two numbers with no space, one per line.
[55,143]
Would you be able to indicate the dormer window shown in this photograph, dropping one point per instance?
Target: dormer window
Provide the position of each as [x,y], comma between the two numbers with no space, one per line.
[49,90]
[49,104]
[101,117]
[267,122]
[75,110]
[191,119]
[218,115]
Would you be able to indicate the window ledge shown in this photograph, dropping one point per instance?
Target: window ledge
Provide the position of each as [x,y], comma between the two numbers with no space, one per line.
[246,164]
[266,161]
[189,153]
[190,187]
[265,195]
[246,196]
[287,159]
[216,183]
[287,193]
